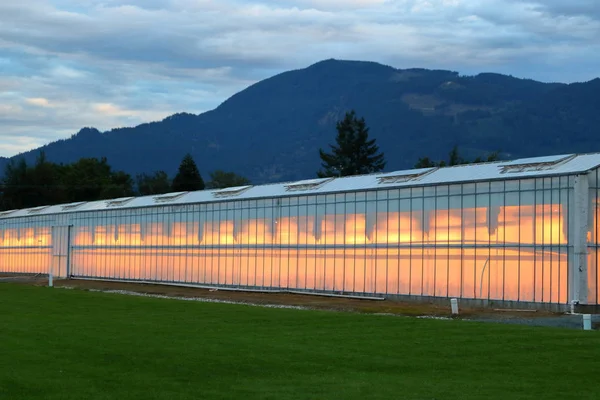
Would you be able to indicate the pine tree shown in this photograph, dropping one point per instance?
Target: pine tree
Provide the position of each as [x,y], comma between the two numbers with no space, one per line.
[188,177]
[220,179]
[454,158]
[157,183]
[425,162]
[354,153]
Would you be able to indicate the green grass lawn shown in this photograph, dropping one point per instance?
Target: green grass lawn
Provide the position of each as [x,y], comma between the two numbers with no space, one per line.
[71,344]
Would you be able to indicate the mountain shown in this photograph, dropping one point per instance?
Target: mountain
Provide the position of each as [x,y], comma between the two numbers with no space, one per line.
[272,130]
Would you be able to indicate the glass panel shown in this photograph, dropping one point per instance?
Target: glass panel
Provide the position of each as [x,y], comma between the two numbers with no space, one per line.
[473,244]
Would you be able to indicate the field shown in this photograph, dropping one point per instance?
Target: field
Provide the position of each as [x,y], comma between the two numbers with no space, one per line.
[75,344]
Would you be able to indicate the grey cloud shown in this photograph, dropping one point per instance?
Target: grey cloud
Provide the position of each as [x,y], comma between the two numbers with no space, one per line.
[260,37]
[198,40]
[139,60]
[586,8]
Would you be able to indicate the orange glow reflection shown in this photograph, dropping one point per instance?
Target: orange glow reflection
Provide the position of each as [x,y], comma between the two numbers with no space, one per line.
[254,232]
[510,274]
[25,250]
[434,253]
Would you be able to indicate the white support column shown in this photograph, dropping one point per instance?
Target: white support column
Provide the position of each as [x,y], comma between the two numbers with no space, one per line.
[578,272]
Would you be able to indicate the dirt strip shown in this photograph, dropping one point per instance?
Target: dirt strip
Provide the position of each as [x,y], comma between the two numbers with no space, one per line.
[524,317]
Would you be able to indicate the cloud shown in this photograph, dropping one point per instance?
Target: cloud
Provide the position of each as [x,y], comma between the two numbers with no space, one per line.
[585,8]
[110,63]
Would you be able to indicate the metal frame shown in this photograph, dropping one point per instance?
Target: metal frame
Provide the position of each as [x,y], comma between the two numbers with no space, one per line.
[321,259]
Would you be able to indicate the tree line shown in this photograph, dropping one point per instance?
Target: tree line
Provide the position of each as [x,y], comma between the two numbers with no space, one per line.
[90,179]
[354,153]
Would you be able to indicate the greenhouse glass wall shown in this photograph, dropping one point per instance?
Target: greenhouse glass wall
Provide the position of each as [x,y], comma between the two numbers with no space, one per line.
[524,231]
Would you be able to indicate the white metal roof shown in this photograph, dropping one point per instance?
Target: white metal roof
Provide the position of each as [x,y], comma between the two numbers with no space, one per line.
[501,170]
[538,160]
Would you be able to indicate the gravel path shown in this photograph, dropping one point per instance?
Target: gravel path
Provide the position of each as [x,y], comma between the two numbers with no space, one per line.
[308,302]
[573,321]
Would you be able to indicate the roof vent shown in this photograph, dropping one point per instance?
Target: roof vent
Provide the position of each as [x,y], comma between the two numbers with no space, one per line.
[165,198]
[404,176]
[231,191]
[36,210]
[534,164]
[119,202]
[309,184]
[72,206]
[5,213]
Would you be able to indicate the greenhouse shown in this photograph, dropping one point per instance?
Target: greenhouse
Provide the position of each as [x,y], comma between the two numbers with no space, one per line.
[521,231]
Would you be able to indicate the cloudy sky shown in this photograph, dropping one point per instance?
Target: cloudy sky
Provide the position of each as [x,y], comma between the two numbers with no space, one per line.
[66,64]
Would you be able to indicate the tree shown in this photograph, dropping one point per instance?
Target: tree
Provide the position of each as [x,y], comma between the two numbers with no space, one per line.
[47,183]
[494,156]
[454,158]
[425,162]
[354,153]
[221,179]
[27,186]
[158,183]
[16,185]
[188,177]
[120,184]
[91,179]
